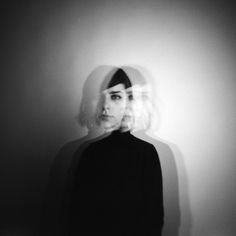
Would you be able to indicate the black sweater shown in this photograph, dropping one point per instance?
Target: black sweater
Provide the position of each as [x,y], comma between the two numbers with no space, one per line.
[116,189]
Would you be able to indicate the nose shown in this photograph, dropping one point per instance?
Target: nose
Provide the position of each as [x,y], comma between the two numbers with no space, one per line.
[106,104]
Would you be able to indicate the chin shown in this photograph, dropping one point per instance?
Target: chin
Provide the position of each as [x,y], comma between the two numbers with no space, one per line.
[108,127]
[126,128]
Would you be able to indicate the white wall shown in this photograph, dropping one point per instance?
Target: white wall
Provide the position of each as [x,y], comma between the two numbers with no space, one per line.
[189,53]
[190,56]
[191,60]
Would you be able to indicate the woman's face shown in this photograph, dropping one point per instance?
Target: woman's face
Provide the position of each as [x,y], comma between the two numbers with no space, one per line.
[113,106]
[136,115]
[128,120]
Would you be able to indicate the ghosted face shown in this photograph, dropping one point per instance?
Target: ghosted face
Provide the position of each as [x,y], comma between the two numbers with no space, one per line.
[113,105]
[137,114]
[128,119]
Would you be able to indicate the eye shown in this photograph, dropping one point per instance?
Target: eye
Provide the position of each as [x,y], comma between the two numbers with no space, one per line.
[131,97]
[115,97]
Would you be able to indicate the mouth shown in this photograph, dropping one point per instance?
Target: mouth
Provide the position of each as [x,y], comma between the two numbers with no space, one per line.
[127,117]
[105,117]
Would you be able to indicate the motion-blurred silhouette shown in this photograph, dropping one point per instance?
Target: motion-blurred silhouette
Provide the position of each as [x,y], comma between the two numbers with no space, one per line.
[110,181]
[54,203]
[146,121]
[117,184]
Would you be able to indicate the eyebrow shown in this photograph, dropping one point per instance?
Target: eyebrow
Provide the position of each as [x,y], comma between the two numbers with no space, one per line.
[129,92]
[115,92]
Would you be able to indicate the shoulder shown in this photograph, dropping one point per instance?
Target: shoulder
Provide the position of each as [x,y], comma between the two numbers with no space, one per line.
[143,143]
[127,142]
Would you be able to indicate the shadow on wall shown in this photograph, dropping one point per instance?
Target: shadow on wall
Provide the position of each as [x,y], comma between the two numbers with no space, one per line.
[146,115]
[184,200]
[177,219]
[53,201]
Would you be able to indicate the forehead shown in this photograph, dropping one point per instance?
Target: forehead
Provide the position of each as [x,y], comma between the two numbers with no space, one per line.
[139,90]
[119,88]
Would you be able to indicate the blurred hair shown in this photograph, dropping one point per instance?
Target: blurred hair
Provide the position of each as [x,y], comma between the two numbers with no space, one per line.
[120,77]
[90,94]
[146,115]
[104,77]
[115,77]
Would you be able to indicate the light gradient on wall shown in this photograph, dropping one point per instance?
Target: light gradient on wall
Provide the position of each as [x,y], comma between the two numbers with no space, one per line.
[187,51]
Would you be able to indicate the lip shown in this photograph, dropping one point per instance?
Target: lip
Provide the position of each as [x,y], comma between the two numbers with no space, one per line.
[127,117]
[105,117]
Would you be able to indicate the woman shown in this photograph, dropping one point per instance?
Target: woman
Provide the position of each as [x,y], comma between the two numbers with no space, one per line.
[117,184]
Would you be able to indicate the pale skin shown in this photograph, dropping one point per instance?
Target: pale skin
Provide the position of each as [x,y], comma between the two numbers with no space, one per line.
[127,122]
[113,107]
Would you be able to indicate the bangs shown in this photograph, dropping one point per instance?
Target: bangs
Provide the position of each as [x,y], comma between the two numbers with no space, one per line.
[120,77]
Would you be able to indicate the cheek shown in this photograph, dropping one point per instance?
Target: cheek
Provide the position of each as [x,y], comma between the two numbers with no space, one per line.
[93,106]
[123,106]
[120,109]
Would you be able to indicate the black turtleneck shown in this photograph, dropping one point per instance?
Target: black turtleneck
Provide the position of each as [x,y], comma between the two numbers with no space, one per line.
[117,188]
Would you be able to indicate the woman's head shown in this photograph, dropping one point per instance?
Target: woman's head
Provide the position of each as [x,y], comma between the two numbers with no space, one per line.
[114,100]
[91,96]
